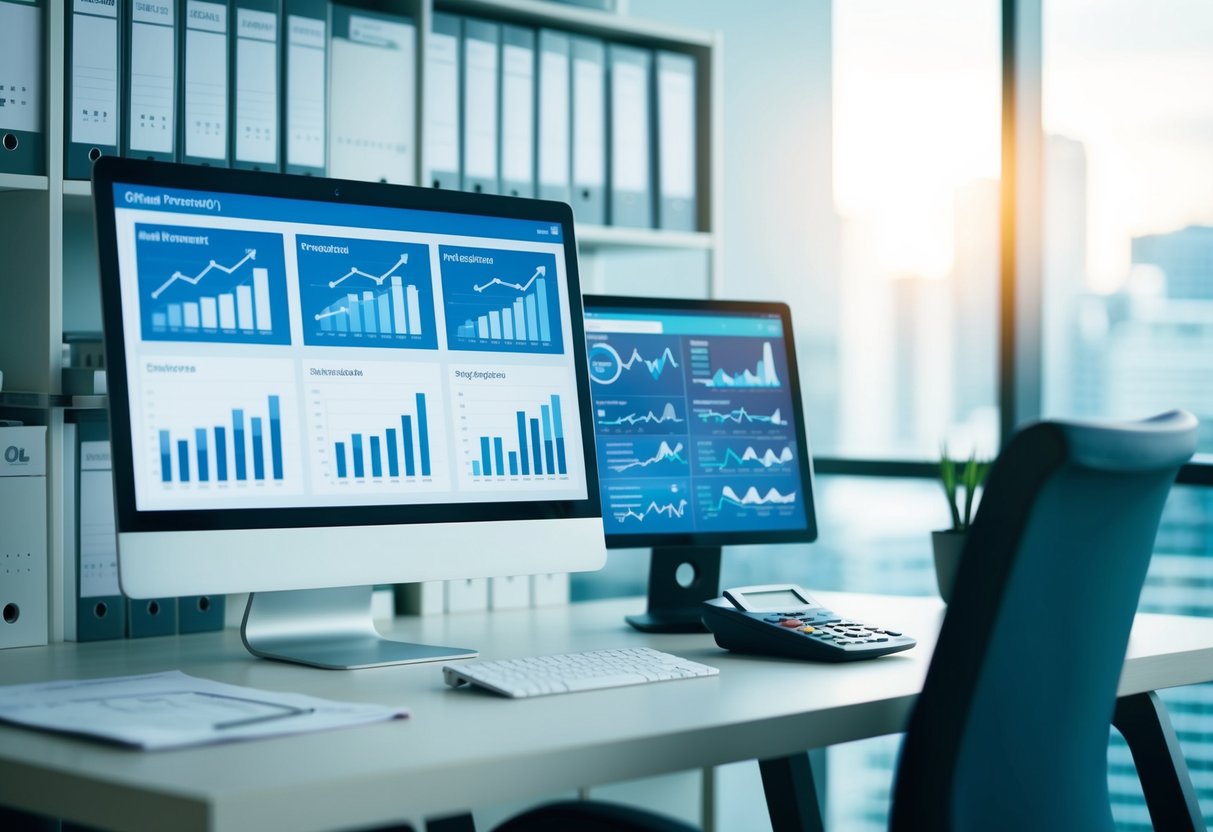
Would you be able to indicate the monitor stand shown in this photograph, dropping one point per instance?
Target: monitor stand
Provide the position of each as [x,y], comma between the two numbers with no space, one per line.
[330,628]
[674,608]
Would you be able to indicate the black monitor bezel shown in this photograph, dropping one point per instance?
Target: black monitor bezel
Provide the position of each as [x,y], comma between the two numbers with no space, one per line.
[623,303]
[110,170]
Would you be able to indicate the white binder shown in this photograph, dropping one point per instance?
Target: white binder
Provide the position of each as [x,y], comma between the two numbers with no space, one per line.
[589,130]
[204,101]
[552,135]
[630,168]
[22,134]
[481,80]
[305,71]
[255,109]
[442,124]
[372,124]
[150,81]
[517,140]
[93,73]
[677,206]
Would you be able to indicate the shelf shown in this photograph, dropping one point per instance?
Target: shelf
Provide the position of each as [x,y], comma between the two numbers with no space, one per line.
[609,25]
[22,182]
[77,187]
[606,237]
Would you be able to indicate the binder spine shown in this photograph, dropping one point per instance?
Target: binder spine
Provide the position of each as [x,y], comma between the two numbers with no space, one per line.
[442,147]
[305,38]
[588,130]
[629,168]
[92,105]
[22,81]
[481,105]
[553,142]
[149,80]
[99,607]
[676,148]
[255,88]
[517,137]
[205,82]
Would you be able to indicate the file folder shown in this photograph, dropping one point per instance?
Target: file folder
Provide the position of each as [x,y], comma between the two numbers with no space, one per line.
[93,74]
[630,167]
[588,130]
[147,617]
[98,609]
[24,596]
[200,613]
[481,82]
[442,125]
[254,99]
[677,207]
[204,87]
[517,140]
[150,80]
[22,131]
[305,80]
[372,123]
[553,140]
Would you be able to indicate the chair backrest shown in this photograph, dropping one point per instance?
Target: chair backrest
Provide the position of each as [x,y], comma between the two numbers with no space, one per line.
[1011,729]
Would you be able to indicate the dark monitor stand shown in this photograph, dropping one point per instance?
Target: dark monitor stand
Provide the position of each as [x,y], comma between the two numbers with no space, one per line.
[673,607]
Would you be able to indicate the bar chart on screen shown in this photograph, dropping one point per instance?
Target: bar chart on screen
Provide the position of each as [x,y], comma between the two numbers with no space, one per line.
[515,432]
[501,300]
[365,293]
[208,433]
[211,285]
[376,426]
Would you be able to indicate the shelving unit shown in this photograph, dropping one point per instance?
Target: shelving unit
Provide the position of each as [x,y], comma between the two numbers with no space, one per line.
[48,272]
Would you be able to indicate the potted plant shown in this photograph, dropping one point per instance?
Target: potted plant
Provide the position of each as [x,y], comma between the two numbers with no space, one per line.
[960,480]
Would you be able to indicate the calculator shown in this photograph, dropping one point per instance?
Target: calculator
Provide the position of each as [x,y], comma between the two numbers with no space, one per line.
[784,620]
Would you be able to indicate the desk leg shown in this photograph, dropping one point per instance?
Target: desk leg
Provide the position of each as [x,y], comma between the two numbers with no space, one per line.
[1142,720]
[791,794]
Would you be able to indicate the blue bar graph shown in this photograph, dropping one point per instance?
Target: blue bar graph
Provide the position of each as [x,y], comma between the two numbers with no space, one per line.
[360,451]
[501,300]
[203,456]
[535,446]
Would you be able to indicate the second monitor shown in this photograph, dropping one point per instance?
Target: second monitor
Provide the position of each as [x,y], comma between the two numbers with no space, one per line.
[701,439]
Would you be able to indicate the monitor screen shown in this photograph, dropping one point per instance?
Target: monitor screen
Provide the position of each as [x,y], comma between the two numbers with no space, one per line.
[294,353]
[698,419]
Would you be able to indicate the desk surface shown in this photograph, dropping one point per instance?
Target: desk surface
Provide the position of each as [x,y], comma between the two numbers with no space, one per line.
[465,748]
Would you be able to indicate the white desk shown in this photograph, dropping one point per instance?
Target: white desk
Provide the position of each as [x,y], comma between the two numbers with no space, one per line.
[464,748]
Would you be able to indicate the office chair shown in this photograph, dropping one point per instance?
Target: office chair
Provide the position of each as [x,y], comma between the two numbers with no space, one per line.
[1011,728]
[1010,731]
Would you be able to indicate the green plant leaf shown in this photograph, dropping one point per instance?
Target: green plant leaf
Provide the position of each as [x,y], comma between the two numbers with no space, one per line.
[947,476]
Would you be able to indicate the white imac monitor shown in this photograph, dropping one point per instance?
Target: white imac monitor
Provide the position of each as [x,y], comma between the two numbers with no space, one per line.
[316,386]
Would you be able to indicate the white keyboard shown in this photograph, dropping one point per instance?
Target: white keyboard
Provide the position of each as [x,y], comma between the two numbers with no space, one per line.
[540,675]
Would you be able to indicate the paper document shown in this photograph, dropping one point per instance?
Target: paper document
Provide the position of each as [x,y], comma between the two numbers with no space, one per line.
[173,709]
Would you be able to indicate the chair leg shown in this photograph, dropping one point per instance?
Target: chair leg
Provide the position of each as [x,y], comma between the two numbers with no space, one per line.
[791,794]
[1143,721]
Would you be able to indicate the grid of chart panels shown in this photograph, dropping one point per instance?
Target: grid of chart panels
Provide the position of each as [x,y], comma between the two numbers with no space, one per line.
[693,419]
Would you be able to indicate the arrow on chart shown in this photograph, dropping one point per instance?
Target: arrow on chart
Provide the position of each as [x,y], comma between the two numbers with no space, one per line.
[328,313]
[404,258]
[521,287]
[193,281]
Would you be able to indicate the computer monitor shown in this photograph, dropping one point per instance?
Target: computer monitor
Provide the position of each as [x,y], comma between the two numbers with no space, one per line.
[317,386]
[701,439]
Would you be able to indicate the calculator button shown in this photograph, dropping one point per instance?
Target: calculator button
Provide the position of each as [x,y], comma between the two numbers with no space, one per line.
[790,622]
[808,630]
[893,633]
[774,620]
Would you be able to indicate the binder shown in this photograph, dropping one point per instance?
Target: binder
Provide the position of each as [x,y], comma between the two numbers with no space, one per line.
[254,109]
[92,77]
[372,96]
[588,130]
[24,596]
[97,610]
[150,80]
[204,84]
[552,140]
[481,88]
[200,613]
[305,78]
[629,160]
[22,131]
[146,617]
[517,140]
[442,124]
[674,90]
